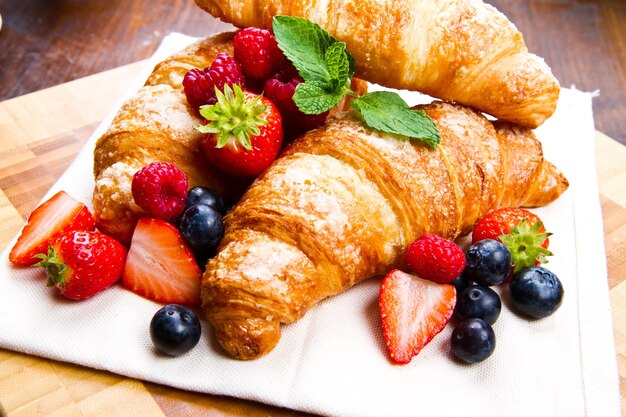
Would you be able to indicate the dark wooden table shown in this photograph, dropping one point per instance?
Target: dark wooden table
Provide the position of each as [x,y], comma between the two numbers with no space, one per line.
[45,43]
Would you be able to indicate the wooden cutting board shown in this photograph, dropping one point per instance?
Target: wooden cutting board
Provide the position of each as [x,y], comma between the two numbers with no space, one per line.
[41,133]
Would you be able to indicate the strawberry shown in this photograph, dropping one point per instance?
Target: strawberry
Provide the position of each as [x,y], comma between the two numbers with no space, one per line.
[61,213]
[81,264]
[521,231]
[435,258]
[413,311]
[160,266]
[245,132]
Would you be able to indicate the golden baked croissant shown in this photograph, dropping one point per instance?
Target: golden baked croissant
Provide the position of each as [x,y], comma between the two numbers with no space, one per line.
[343,203]
[459,50]
[157,124]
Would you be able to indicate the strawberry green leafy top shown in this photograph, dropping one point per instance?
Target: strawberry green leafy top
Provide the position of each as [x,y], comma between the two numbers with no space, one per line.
[327,69]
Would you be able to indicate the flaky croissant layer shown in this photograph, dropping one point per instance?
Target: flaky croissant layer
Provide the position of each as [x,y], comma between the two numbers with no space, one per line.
[457,50]
[343,203]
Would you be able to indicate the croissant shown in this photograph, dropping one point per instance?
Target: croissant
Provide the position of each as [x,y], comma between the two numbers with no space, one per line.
[156,124]
[343,203]
[459,50]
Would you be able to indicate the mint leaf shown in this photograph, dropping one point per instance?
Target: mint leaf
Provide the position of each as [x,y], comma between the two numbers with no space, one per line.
[312,97]
[304,43]
[338,65]
[327,67]
[388,112]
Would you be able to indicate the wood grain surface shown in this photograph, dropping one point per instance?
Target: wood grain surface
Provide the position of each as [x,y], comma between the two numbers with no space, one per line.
[46,43]
[33,155]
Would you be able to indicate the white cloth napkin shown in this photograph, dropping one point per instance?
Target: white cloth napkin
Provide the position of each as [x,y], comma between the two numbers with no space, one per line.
[334,361]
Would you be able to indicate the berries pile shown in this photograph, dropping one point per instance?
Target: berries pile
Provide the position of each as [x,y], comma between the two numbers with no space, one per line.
[161,263]
[507,246]
[243,134]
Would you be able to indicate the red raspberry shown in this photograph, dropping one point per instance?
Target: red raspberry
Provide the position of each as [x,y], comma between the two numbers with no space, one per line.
[199,85]
[279,89]
[160,189]
[435,258]
[257,52]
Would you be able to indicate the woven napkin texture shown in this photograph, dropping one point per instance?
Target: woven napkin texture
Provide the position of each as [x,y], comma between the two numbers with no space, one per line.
[334,361]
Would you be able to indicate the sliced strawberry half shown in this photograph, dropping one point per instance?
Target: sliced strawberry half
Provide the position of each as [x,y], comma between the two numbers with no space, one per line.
[61,213]
[160,266]
[413,311]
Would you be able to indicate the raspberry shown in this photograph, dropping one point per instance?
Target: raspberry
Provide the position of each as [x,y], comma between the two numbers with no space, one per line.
[435,258]
[279,89]
[257,52]
[160,189]
[199,85]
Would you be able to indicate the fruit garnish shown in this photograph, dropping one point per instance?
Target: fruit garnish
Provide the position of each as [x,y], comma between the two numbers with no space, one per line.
[160,266]
[280,89]
[202,227]
[200,85]
[81,264]
[413,311]
[435,258]
[536,292]
[206,197]
[473,341]
[488,262]
[478,302]
[61,213]
[244,134]
[160,189]
[525,244]
[257,52]
[327,69]
[175,330]
[521,231]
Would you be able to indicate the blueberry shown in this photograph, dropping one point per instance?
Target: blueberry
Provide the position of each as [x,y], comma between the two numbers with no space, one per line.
[487,262]
[202,227]
[202,256]
[473,341]
[174,330]
[461,282]
[536,292]
[478,302]
[205,196]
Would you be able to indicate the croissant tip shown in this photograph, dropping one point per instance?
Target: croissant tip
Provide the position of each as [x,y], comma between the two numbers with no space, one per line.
[247,339]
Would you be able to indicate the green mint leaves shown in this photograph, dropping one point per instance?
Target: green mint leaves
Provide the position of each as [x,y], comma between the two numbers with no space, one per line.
[321,61]
[327,68]
[388,112]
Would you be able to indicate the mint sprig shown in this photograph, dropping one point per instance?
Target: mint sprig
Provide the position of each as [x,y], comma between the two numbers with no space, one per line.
[327,68]
[321,61]
[388,112]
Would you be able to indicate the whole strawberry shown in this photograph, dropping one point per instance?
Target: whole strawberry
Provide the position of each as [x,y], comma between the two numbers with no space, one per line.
[521,231]
[244,134]
[435,258]
[81,264]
